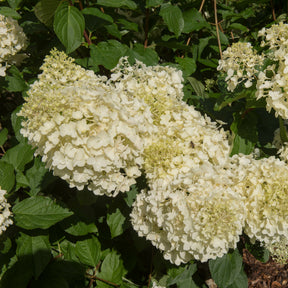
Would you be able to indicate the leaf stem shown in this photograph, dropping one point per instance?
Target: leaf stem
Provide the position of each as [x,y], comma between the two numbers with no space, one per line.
[273,10]
[146,27]
[217,28]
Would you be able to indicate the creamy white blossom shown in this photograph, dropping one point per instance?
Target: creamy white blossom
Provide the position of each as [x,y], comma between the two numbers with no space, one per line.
[5,214]
[200,215]
[265,186]
[159,86]
[185,139]
[12,41]
[240,62]
[87,132]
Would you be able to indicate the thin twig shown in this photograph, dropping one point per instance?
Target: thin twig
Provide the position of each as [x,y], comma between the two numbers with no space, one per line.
[217,28]
[201,6]
[146,28]
[151,267]
[273,10]
[105,281]
[88,40]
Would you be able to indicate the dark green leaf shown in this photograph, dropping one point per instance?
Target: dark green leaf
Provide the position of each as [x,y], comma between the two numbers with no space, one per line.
[241,280]
[36,247]
[239,26]
[3,136]
[283,132]
[128,25]
[194,21]
[197,86]
[18,275]
[244,128]
[188,65]
[112,269]
[226,269]
[77,227]
[19,156]
[35,175]
[95,18]
[69,26]
[172,16]
[115,222]
[21,181]
[14,3]
[118,3]
[16,124]
[146,55]
[45,11]
[9,12]
[108,53]
[153,3]
[7,176]
[131,195]
[16,83]
[184,279]
[39,212]
[89,251]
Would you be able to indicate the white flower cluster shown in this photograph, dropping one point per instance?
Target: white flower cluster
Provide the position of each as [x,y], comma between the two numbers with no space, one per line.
[200,215]
[87,132]
[5,214]
[12,40]
[240,62]
[265,187]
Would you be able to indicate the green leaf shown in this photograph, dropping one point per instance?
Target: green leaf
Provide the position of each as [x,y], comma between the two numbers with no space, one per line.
[115,222]
[39,212]
[172,16]
[36,247]
[74,226]
[89,251]
[7,176]
[131,195]
[16,124]
[35,176]
[45,11]
[146,55]
[244,128]
[128,25]
[226,269]
[197,86]
[9,12]
[188,65]
[153,3]
[21,181]
[19,274]
[19,156]
[194,21]
[16,83]
[95,18]
[69,25]
[108,53]
[283,132]
[3,136]
[14,3]
[112,269]
[118,3]
[241,281]
[69,251]
[239,26]
[184,279]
